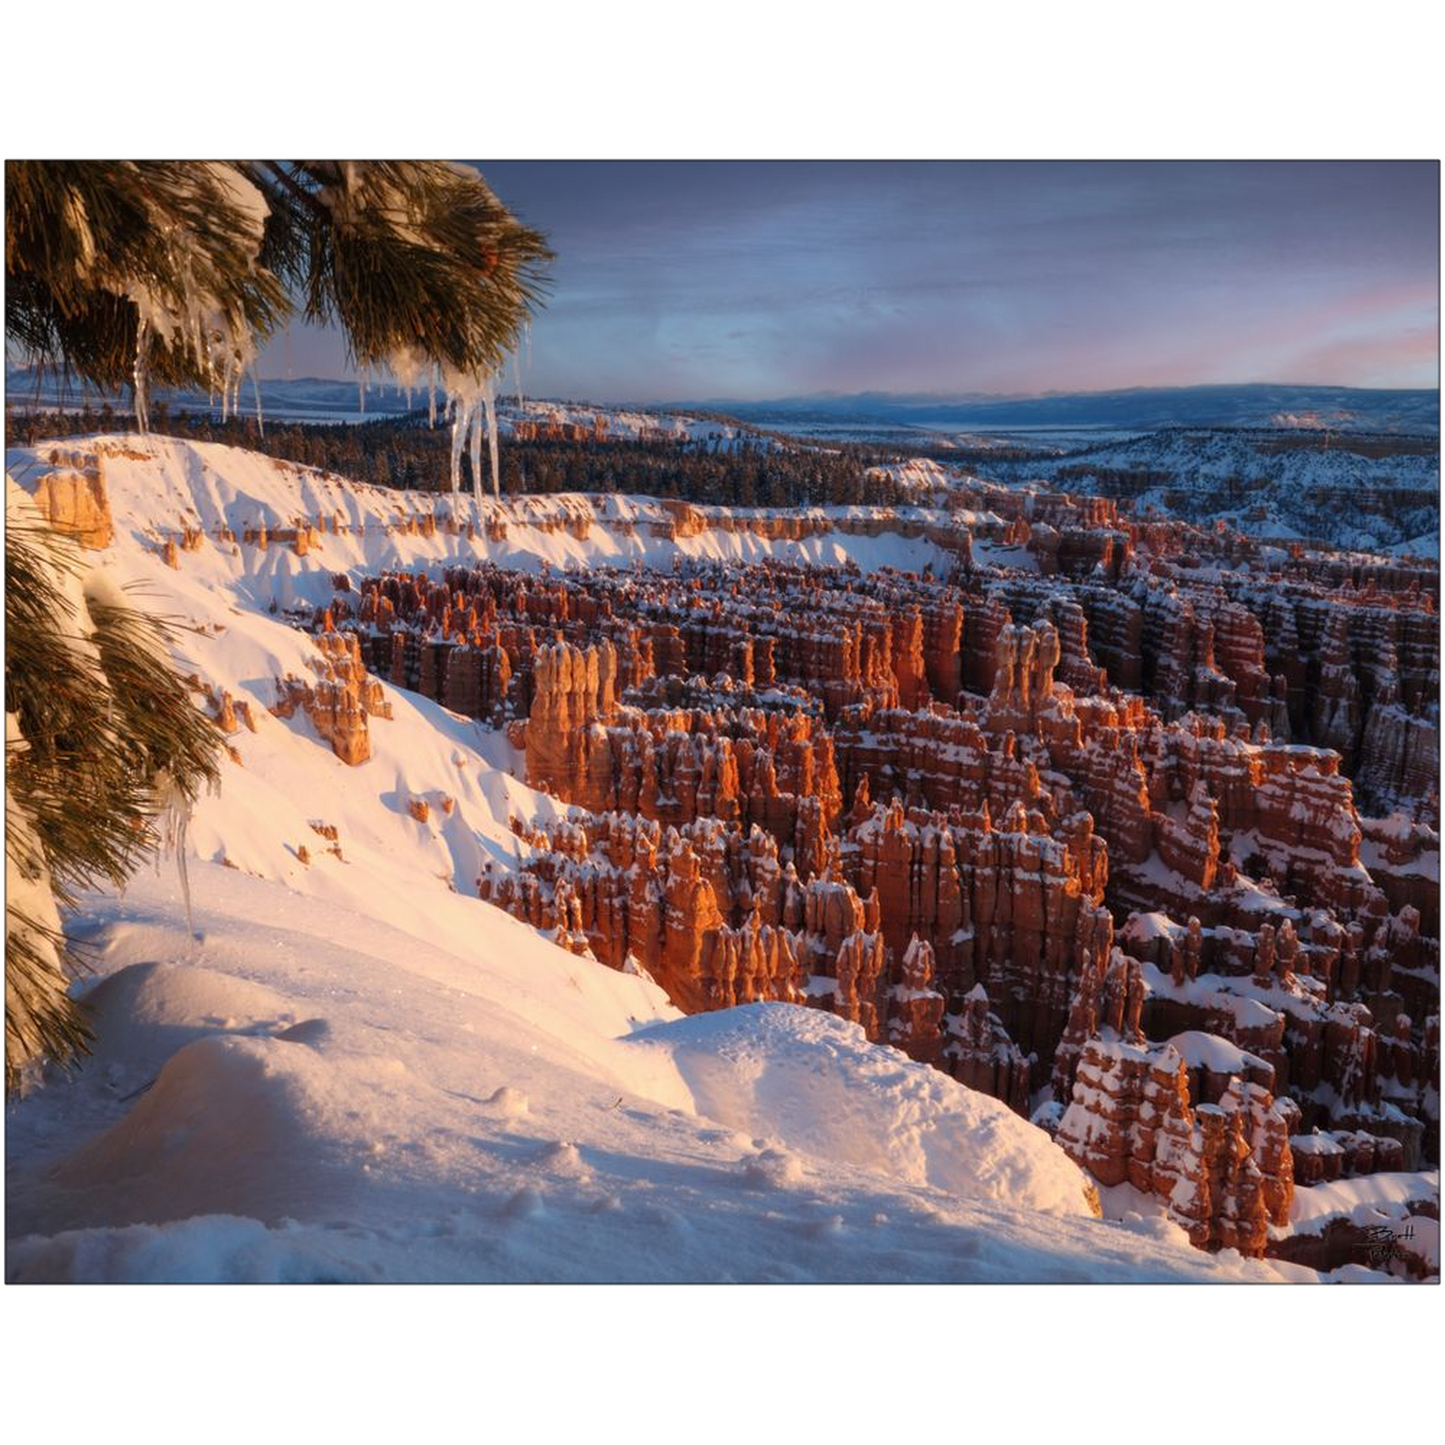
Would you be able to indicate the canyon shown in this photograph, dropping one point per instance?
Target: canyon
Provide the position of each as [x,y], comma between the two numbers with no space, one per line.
[1131,825]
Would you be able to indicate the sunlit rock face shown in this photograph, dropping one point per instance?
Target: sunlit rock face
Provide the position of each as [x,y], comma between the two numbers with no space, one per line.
[1129,824]
[339,700]
[71,496]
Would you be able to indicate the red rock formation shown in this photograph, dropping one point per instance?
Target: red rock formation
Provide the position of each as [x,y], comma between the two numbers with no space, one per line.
[915,1007]
[1023,675]
[980,1053]
[1145,732]
[573,689]
[72,497]
[340,701]
[1224,1169]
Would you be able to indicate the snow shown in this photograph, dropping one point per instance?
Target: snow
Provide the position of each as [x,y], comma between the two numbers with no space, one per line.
[322,1096]
[1314,1206]
[158,484]
[1218,1055]
[1314,1144]
[814,1082]
[1336,494]
[1141,1213]
[1245,998]
[1145,927]
[1399,1209]
[353,1069]
[1373,859]
[1425,545]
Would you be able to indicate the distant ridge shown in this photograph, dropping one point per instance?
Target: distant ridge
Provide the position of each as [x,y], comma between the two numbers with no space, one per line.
[1315,408]
[1143,408]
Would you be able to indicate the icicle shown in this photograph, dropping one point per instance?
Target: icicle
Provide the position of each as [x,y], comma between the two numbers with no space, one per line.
[431,399]
[260,420]
[476,446]
[138,378]
[517,378]
[489,404]
[473,404]
[361,391]
[174,818]
[459,423]
[185,876]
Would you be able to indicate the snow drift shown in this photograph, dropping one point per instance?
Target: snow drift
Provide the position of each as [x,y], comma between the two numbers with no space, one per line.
[813,1082]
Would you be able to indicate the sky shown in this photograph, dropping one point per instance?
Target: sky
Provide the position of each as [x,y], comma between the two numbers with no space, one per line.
[758,280]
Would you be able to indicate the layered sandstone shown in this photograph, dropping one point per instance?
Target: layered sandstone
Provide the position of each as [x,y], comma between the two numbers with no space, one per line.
[339,701]
[72,498]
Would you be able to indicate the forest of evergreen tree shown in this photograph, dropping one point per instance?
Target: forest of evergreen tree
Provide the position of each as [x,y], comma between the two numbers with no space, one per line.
[406,452]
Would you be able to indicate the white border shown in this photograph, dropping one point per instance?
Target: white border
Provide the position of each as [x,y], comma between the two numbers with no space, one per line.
[747,79]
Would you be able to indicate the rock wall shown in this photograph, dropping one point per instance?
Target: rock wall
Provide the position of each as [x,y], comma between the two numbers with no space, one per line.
[339,701]
[71,496]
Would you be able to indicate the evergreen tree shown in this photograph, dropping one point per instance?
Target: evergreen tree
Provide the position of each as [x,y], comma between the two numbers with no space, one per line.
[103,750]
[137,272]
[146,272]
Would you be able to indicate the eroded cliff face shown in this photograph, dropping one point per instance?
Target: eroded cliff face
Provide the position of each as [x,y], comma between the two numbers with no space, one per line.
[71,496]
[340,699]
[1082,830]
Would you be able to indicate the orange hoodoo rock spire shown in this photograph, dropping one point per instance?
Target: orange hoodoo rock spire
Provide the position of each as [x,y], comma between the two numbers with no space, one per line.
[1130,824]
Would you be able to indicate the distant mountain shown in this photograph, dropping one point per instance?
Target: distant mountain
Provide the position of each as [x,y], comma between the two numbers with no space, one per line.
[298,399]
[314,399]
[1140,408]
[1334,408]
[1369,493]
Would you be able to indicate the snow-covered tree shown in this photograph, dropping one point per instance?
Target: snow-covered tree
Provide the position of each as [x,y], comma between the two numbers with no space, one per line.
[133,273]
[104,751]
[144,272]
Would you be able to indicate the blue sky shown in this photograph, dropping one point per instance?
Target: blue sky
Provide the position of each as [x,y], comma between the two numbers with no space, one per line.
[751,280]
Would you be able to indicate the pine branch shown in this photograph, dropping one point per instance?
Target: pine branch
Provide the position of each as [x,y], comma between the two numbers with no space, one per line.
[412,259]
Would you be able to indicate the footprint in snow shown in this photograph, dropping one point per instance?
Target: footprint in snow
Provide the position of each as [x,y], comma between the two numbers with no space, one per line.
[526,1203]
[665,1218]
[722,1136]
[772,1169]
[562,1158]
[314,1033]
[510,1103]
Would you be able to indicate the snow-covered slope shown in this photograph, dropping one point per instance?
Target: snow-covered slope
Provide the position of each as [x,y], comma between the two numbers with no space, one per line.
[159,485]
[622,423]
[337,1099]
[1369,493]
[355,1070]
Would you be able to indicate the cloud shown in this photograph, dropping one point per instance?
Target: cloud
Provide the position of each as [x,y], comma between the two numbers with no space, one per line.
[756,279]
